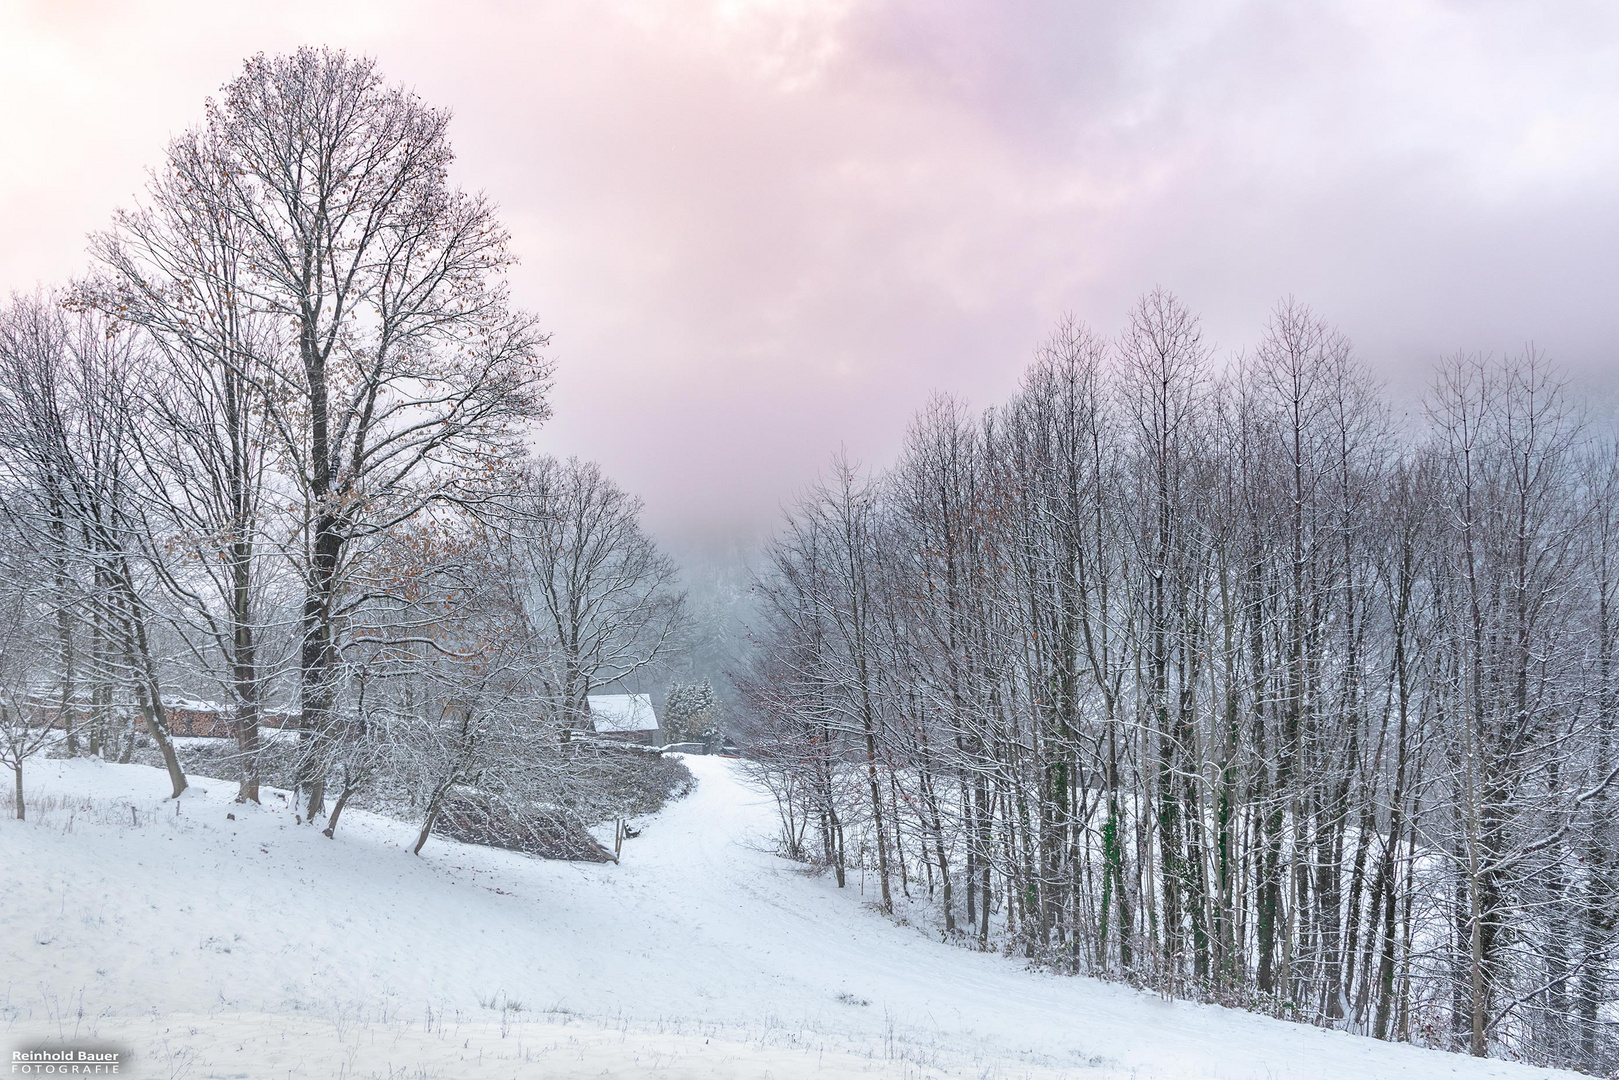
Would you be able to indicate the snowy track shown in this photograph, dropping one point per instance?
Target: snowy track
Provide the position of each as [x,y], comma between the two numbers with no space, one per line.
[256,947]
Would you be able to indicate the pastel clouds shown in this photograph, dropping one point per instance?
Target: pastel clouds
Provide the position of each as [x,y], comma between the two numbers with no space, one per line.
[762,230]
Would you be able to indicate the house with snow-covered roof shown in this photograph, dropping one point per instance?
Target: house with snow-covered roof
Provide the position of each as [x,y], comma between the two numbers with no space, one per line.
[628,717]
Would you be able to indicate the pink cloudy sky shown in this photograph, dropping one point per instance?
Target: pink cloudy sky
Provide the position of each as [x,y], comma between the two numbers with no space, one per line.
[759,230]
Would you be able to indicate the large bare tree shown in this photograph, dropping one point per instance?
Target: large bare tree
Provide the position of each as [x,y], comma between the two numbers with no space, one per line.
[407,376]
[174,270]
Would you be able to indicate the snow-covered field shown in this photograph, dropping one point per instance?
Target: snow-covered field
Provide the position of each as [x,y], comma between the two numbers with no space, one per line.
[253,947]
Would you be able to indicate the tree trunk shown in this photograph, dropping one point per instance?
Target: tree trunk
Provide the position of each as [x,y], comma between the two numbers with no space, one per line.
[337,812]
[434,806]
[148,697]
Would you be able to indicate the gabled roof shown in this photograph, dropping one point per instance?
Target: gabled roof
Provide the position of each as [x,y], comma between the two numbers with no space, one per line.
[623,712]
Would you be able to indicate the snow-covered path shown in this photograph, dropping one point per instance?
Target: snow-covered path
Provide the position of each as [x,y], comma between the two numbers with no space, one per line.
[255,946]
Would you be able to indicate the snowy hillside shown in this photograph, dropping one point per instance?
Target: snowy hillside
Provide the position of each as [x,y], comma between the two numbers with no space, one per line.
[255,947]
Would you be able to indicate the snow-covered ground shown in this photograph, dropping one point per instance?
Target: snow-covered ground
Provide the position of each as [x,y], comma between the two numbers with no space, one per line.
[254,947]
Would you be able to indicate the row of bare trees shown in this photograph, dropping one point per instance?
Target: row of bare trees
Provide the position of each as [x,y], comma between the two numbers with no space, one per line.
[1226,682]
[270,453]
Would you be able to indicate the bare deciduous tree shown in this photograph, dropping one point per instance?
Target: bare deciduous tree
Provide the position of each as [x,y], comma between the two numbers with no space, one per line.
[595,590]
[408,374]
